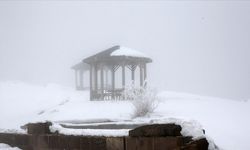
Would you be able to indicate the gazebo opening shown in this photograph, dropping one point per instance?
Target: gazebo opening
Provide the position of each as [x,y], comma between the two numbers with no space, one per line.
[110,71]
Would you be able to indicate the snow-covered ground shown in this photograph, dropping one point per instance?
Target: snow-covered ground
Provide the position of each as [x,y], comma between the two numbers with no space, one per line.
[7,147]
[225,121]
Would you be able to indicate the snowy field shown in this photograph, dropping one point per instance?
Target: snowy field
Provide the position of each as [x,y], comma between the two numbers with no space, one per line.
[225,121]
[7,147]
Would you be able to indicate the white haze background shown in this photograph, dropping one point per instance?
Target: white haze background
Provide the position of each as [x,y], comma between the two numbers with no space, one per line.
[200,47]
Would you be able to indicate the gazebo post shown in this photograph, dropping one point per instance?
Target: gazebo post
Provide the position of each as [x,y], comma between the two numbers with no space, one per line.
[90,81]
[113,82]
[102,82]
[141,75]
[133,67]
[76,82]
[96,78]
[145,74]
[81,79]
[123,75]
[106,78]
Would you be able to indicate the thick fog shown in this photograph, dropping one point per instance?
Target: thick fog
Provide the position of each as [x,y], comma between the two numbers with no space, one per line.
[199,47]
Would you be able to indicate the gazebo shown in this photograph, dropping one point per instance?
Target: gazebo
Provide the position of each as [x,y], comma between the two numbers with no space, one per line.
[109,68]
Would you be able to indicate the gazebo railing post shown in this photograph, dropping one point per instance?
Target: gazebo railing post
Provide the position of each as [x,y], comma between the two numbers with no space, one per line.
[90,81]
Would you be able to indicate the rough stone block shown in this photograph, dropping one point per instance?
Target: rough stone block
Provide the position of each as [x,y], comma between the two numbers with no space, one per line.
[85,143]
[186,140]
[201,144]
[156,130]
[130,143]
[63,142]
[7,138]
[98,143]
[73,142]
[145,143]
[33,140]
[54,141]
[39,128]
[189,147]
[43,141]
[115,143]
[166,143]
[22,139]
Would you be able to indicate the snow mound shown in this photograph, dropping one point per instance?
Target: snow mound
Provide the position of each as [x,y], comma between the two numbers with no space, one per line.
[124,51]
[189,128]
[7,147]
[89,132]
[17,131]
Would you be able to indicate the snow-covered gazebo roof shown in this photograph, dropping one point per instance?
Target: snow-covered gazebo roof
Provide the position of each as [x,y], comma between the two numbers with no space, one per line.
[118,54]
[80,66]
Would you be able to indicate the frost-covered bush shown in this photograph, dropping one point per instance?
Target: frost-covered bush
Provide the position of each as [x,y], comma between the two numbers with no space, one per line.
[144,100]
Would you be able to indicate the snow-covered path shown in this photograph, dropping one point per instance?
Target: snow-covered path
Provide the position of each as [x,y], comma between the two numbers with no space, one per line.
[225,121]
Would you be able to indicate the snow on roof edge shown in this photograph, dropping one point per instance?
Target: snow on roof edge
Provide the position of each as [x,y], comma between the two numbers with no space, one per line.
[124,51]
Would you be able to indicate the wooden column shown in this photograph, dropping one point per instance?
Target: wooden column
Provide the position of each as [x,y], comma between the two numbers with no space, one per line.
[90,81]
[113,81]
[102,82]
[106,78]
[81,79]
[145,74]
[96,77]
[141,75]
[133,67]
[76,79]
[123,75]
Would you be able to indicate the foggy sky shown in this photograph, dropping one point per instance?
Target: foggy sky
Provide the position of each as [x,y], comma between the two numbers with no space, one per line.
[200,47]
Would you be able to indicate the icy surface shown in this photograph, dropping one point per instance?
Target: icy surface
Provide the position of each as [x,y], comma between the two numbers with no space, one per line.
[124,51]
[7,147]
[225,121]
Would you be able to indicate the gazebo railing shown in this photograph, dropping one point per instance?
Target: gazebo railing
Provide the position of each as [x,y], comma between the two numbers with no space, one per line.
[108,94]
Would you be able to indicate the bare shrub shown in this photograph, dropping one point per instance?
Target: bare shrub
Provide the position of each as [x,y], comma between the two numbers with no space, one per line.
[144,100]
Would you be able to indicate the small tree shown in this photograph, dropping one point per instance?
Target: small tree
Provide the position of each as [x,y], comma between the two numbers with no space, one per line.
[144,100]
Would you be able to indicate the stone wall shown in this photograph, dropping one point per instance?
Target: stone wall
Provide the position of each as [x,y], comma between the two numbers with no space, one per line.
[139,139]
